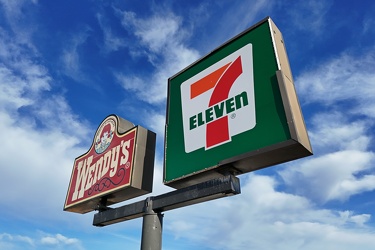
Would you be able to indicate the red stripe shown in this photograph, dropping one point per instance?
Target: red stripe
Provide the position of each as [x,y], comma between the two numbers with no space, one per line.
[218,131]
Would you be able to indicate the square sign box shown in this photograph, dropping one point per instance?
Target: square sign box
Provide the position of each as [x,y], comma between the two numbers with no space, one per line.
[118,166]
[234,111]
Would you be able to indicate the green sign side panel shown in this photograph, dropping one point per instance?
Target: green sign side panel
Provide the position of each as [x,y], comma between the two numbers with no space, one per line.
[271,125]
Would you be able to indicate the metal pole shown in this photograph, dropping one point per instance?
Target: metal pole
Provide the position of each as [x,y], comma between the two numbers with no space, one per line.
[151,228]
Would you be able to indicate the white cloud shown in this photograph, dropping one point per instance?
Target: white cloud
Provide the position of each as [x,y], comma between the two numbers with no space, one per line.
[227,25]
[25,83]
[338,175]
[40,136]
[70,58]
[58,239]
[347,78]
[155,32]
[262,217]
[341,133]
[359,219]
[312,235]
[21,80]
[334,131]
[158,187]
[111,41]
[35,166]
[161,37]
[17,15]
[367,23]
[310,16]
[157,124]
[16,238]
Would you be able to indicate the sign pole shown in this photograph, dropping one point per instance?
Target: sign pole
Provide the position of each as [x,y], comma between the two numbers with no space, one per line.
[151,228]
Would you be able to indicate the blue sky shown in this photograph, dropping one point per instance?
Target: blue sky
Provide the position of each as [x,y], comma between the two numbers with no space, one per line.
[66,65]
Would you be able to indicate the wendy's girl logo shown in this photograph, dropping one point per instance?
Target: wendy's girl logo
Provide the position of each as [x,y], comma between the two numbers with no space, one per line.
[104,136]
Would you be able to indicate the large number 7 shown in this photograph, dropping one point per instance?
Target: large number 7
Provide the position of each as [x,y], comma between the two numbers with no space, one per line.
[222,81]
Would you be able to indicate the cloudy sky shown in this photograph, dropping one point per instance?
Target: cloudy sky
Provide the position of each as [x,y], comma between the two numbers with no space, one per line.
[66,65]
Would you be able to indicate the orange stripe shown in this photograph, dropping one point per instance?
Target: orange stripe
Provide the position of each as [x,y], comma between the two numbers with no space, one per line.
[207,82]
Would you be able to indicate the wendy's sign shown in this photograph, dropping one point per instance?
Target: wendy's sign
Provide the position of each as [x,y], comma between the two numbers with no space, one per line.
[118,166]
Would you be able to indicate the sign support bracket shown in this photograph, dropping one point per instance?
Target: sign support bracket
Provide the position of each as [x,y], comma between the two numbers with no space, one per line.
[151,208]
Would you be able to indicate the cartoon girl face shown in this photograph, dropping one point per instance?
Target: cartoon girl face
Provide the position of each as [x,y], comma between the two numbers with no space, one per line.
[105,134]
[104,138]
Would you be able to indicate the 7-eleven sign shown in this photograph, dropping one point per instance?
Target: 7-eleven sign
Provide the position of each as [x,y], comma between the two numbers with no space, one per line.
[235,111]
[218,103]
